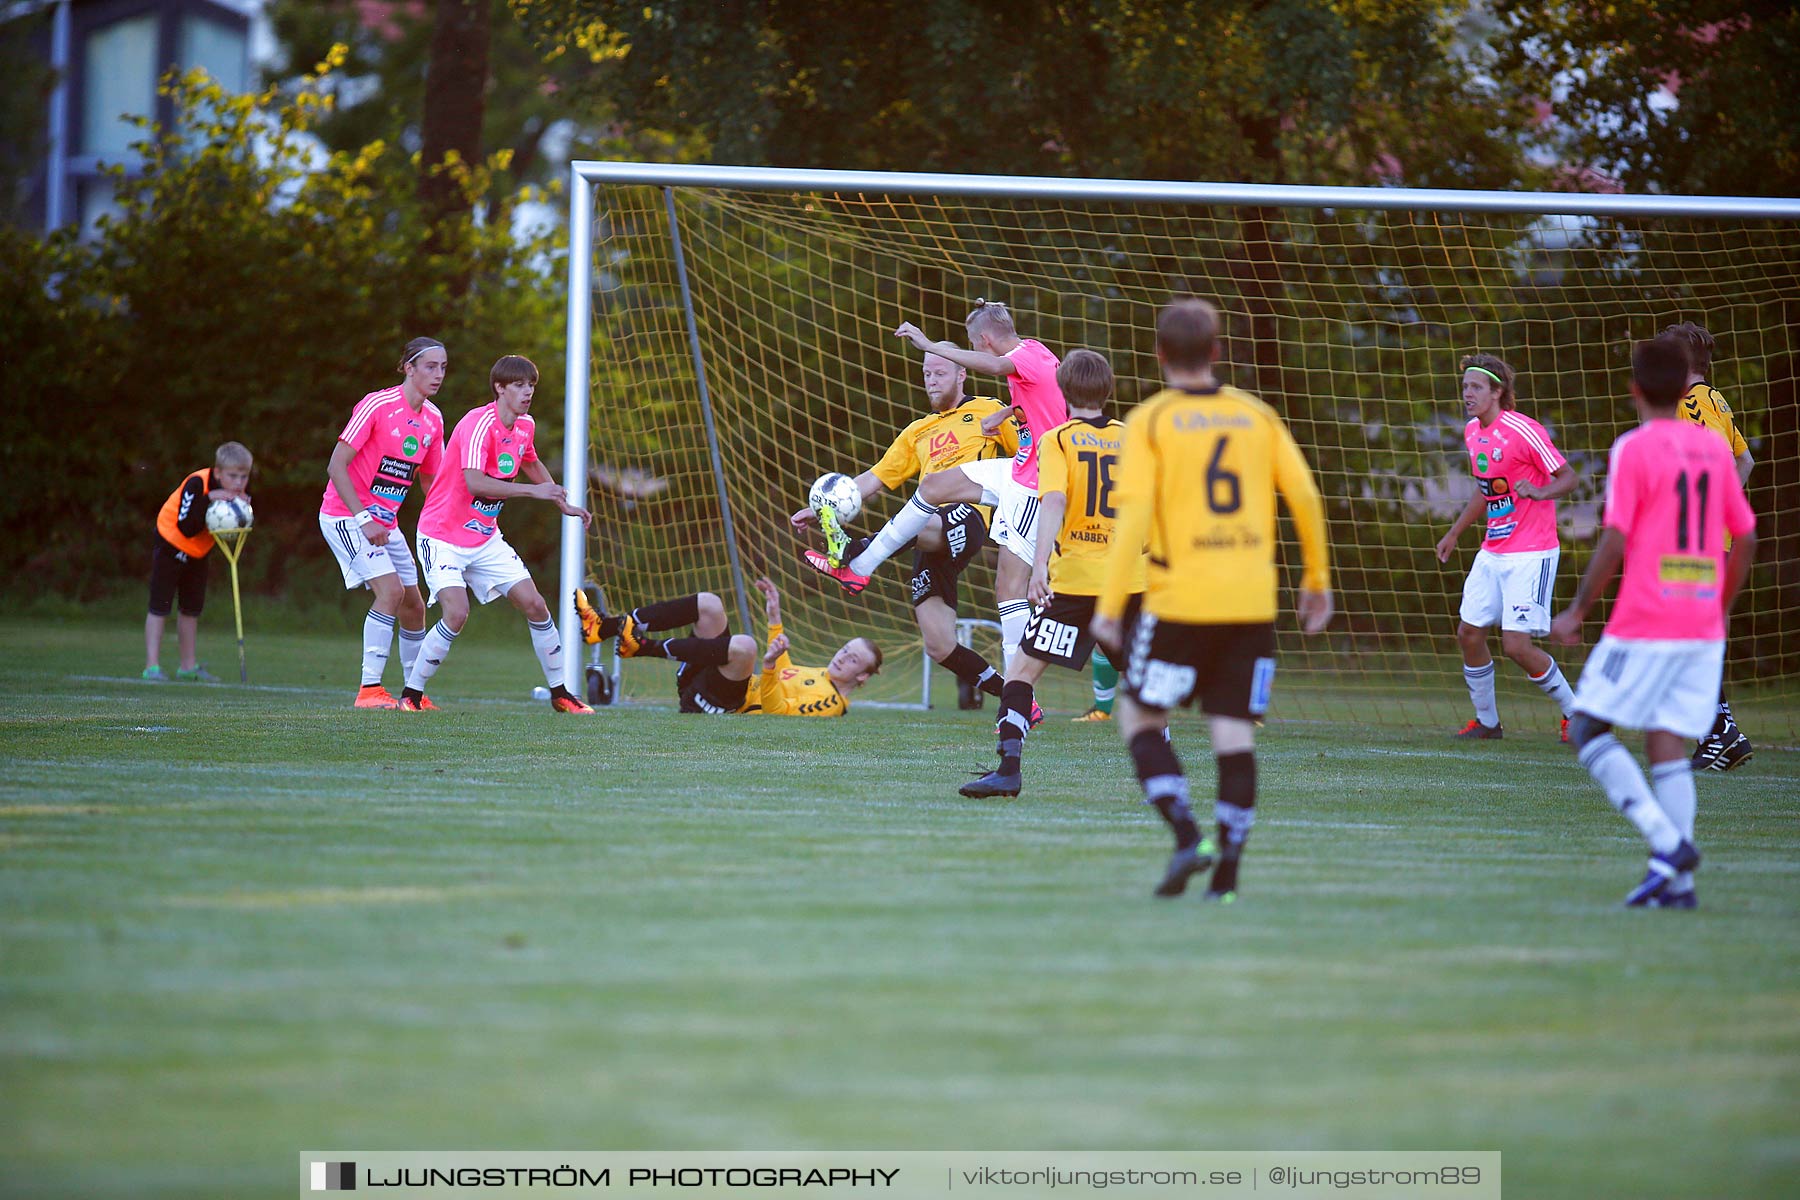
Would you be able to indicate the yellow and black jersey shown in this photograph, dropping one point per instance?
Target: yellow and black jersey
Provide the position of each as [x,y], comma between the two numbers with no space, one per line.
[1703,405]
[1080,459]
[947,439]
[787,690]
[1197,479]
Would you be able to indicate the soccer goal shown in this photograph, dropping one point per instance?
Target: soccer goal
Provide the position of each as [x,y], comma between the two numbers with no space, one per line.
[730,338]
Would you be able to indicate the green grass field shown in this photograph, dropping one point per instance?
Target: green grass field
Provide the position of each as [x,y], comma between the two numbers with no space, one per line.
[239,923]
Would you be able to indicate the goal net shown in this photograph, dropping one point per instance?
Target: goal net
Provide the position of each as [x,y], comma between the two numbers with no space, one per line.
[731,335]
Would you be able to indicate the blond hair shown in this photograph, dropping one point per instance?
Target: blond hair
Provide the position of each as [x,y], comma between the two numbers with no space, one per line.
[231,454]
[990,315]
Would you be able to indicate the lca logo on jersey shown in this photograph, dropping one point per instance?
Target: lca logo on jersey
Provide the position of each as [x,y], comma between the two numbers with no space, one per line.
[943,443]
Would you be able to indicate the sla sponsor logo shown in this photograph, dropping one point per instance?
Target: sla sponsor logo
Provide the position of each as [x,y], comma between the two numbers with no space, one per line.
[334,1177]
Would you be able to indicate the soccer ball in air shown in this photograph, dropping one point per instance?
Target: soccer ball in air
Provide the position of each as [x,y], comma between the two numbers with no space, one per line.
[224,516]
[837,492]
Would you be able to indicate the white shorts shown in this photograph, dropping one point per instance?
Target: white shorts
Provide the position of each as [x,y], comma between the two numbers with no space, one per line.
[1668,685]
[361,560]
[1015,505]
[489,570]
[1512,591]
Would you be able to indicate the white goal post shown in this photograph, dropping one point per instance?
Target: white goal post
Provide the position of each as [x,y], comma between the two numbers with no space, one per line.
[588,178]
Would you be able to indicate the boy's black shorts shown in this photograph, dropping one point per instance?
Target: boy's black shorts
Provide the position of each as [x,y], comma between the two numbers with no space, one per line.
[174,573]
[706,690]
[1229,670]
[1058,632]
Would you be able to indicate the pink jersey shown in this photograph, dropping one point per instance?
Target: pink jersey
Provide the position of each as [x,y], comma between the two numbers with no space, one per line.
[394,445]
[481,443]
[1037,402]
[1672,489]
[1514,450]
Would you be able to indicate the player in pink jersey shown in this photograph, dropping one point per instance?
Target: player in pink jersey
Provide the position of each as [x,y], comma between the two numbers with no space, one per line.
[394,438]
[1672,496]
[1009,487]
[1519,476]
[459,531]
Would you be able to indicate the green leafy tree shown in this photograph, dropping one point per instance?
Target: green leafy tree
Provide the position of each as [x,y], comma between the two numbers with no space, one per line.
[1262,90]
[1686,96]
[26,82]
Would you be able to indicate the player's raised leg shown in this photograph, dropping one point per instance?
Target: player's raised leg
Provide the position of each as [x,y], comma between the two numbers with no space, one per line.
[936,489]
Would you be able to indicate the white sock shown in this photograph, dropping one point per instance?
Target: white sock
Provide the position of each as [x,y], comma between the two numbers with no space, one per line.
[1481,693]
[1553,685]
[1613,768]
[1674,785]
[378,636]
[431,656]
[1013,616]
[903,528]
[546,639]
[410,641]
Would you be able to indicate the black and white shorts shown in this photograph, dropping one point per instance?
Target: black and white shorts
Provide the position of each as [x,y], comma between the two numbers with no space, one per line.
[1228,670]
[936,574]
[1058,632]
[706,690]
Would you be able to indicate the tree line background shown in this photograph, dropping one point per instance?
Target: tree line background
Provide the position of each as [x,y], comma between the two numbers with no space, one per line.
[276,249]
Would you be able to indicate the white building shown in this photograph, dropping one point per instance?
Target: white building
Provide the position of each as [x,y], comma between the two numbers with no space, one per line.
[107,56]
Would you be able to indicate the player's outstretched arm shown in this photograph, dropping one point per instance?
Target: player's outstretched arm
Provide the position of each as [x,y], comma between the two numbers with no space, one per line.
[974,360]
[771,603]
[558,495]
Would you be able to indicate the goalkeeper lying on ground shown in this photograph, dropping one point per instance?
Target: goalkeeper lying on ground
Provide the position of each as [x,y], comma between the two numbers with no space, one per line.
[714,676]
